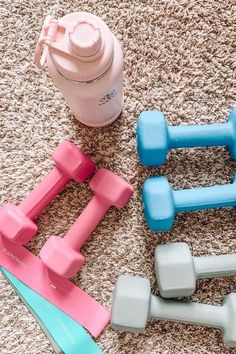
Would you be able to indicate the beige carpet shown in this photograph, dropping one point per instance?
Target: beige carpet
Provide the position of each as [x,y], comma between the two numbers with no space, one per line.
[179,58]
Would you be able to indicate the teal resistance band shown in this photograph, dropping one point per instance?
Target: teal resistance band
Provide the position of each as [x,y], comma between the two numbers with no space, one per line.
[65,334]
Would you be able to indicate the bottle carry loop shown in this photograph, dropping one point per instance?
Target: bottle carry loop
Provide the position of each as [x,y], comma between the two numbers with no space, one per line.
[47,39]
[48,32]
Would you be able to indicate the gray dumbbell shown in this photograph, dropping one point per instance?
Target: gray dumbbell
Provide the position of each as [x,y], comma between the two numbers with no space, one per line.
[177,271]
[133,305]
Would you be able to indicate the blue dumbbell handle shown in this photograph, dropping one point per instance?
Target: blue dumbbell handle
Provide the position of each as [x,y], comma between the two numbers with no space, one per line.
[200,135]
[205,198]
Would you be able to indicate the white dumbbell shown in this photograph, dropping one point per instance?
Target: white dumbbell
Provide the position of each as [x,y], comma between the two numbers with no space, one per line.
[177,270]
[133,305]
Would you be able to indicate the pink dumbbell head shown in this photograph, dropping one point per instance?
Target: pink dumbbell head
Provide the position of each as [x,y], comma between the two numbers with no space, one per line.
[62,255]
[16,221]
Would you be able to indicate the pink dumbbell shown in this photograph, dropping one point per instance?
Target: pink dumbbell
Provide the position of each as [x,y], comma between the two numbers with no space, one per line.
[16,221]
[62,255]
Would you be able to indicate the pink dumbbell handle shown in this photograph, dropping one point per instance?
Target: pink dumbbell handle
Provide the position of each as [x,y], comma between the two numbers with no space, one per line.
[44,193]
[86,222]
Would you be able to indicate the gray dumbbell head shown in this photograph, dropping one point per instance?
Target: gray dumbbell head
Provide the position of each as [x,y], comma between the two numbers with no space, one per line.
[158,201]
[175,270]
[152,138]
[131,304]
[229,335]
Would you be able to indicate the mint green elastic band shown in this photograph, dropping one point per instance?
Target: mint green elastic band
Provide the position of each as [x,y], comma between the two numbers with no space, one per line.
[65,334]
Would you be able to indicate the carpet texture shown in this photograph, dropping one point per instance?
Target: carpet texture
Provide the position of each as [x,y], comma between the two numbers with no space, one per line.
[180,59]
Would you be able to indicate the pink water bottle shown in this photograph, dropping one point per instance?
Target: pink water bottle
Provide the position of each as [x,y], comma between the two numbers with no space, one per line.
[85,62]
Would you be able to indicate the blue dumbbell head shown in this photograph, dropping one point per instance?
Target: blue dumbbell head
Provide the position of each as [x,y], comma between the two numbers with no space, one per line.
[155,137]
[158,202]
[232,121]
[152,138]
[161,202]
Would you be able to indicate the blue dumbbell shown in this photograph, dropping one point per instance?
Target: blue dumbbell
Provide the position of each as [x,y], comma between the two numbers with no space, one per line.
[155,137]
[161,203]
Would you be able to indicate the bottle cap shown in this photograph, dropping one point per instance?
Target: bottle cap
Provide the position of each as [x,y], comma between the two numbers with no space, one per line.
[85,40]
[80,45]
